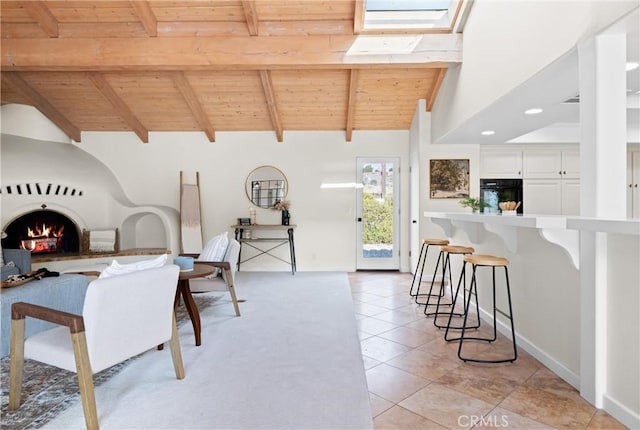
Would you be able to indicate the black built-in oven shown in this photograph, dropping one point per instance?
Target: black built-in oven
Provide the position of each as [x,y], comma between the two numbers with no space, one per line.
[494,191]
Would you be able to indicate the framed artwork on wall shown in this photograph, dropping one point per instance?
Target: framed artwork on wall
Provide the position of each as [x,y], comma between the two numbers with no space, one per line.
[448,179]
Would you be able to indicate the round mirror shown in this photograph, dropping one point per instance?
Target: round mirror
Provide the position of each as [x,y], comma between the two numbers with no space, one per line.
[266,186]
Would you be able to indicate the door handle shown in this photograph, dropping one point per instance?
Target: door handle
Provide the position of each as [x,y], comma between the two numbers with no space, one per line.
[415,222]
[359,219]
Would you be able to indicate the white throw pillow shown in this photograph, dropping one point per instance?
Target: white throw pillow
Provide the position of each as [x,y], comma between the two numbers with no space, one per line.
[215,250]
[116,268]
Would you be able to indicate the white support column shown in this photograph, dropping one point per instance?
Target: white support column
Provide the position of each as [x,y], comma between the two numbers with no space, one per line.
[603,167]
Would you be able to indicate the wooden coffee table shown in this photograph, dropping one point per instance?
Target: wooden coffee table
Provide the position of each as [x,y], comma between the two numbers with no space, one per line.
[199,271]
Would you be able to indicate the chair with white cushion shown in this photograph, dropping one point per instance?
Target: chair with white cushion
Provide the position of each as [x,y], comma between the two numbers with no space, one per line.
[223,281]
[122,317]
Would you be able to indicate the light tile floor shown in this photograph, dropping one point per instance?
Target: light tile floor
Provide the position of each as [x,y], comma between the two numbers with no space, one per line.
[416,380]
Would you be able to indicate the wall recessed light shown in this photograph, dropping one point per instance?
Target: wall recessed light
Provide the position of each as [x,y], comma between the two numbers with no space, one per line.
[533,111]
[488,133]
[632,65]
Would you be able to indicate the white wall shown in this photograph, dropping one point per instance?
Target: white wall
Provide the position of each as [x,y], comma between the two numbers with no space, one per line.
[325,218]
[622,393]
[433,151]
[27,121]
[505,45]
[419,134]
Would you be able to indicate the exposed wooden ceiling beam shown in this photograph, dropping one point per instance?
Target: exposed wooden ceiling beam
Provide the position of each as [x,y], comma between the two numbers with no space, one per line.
[251,16]
[146,16]
[185,88]
[358,16]
[353,82]
[41,13]
[431,98]
[120,106]
[40,103]
[265,77]
[237,52]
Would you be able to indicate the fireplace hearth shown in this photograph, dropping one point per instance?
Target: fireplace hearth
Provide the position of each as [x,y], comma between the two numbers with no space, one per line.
[43,232]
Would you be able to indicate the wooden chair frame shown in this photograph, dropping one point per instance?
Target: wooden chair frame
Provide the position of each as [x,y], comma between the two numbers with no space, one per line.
[75,323]
[224,265]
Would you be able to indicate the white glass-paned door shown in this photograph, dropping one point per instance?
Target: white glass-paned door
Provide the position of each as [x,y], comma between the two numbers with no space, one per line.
[377,214]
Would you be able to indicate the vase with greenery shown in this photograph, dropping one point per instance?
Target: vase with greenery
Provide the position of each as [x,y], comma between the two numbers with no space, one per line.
[477,204]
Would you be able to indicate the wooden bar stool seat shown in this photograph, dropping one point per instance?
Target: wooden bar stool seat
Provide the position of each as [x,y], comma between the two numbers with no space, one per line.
[438,242]
[491,261]
[455,249]
[486,260]
[414,291]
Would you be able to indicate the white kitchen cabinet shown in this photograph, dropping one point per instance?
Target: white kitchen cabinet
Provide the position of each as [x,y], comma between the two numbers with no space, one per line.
[505,164]
[570,196]
[542,196]
[542,164]
[551,181]
[633,189]
[551,196]
[550,173]
[550,164]
[570,164]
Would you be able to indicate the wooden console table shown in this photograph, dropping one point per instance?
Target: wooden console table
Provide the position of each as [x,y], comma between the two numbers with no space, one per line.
[279,241]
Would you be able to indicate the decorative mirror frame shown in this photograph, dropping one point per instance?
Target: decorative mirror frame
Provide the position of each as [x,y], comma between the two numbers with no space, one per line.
[261,179]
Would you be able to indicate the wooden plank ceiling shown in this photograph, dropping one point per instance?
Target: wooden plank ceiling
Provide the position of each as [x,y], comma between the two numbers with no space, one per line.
[212,66]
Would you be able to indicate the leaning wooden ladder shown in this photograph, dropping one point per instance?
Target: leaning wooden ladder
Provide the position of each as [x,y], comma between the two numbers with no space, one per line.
[190,219]
[191,233]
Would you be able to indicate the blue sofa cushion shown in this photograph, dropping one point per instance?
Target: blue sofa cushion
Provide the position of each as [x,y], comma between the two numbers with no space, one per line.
[21,259]
[65,293]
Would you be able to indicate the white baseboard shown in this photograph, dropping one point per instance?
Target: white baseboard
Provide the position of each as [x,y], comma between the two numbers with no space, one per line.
[554,365]
[621,413]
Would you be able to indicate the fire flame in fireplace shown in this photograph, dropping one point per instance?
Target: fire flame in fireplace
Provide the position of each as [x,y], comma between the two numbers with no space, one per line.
[45,231]
[45,239]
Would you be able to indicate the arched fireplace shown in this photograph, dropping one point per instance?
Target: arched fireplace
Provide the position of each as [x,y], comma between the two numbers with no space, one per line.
[43,232]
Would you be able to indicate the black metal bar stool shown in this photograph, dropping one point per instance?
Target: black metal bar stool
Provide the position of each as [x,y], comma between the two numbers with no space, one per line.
[414,291]
[493,262]
[446,269]
[466,300]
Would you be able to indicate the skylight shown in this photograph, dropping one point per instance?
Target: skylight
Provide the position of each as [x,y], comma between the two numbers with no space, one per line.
[406,14]
[407,5]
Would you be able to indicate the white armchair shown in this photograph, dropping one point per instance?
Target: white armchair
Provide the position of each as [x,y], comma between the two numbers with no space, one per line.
[223,282]
[122,316]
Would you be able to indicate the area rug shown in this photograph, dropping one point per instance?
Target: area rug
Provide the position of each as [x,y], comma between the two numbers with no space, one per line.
[48,390]
[291,361]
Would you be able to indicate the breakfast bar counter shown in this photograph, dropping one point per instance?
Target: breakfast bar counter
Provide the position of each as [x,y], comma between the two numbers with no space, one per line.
[605,225]
[575,290]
